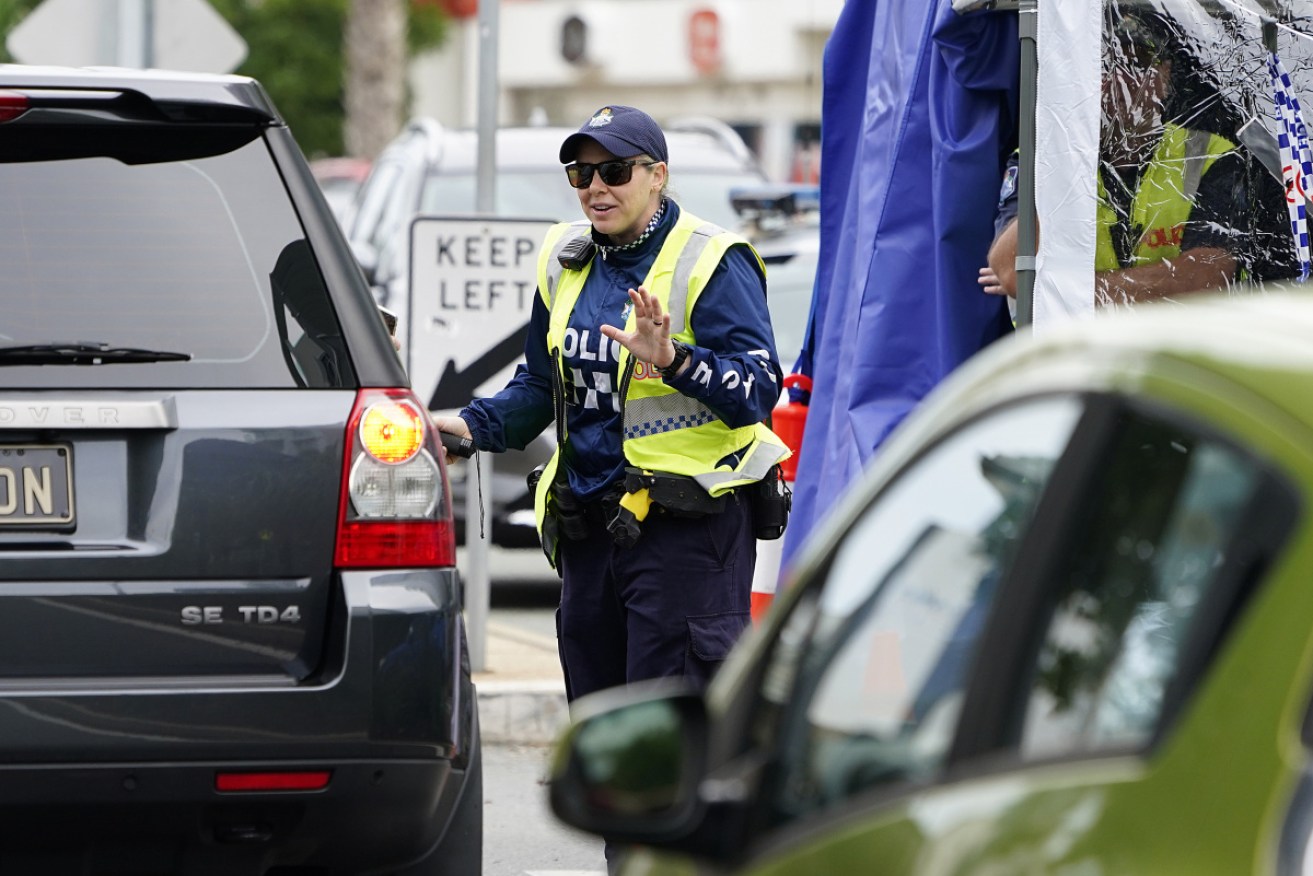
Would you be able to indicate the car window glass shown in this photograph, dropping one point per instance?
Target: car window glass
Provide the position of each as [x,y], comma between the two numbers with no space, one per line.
[194,256]
[873,693]
[1156,538]
[339,193]
[400,199]
[397,209]
[373,196]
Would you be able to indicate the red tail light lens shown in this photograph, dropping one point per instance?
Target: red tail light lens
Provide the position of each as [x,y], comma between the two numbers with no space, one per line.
[12,105]
[313,780]
[395,510]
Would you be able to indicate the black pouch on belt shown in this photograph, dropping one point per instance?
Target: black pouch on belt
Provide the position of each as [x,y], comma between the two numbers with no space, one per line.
[570,512]
[771,501]
[563,505]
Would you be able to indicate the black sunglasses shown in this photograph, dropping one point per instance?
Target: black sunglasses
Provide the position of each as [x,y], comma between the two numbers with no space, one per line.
[613,173]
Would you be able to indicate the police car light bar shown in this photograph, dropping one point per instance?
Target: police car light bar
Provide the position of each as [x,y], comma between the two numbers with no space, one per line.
[775,201]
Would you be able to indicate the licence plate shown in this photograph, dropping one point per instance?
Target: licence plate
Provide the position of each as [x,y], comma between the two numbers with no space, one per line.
[36,485]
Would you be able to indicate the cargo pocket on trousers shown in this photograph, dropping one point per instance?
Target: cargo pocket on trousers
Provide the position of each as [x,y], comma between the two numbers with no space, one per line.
[710,637]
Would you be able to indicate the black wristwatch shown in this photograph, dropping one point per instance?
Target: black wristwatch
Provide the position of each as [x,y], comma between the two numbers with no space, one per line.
[681,353]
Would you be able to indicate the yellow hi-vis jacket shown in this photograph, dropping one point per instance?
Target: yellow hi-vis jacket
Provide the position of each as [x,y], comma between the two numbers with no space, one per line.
[1163,199]
[664,430]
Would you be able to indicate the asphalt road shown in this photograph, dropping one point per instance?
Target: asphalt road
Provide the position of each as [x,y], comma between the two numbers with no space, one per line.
[521,837]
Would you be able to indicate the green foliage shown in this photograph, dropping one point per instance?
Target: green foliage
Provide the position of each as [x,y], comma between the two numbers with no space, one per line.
[12,12]
[428,26]
[295,50]
[294,47]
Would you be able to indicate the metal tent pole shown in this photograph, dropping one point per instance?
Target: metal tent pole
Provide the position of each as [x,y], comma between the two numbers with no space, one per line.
[1027,240]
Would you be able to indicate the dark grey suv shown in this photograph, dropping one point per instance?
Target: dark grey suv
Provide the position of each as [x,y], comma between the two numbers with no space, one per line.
[230,628]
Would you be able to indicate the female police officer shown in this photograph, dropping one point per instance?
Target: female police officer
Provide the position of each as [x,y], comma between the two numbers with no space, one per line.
[651,346]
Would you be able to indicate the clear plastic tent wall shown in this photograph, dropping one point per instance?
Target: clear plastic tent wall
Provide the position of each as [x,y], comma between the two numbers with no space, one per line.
[1158,172]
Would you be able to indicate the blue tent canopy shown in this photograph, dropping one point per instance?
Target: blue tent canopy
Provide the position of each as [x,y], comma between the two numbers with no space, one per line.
[918,119]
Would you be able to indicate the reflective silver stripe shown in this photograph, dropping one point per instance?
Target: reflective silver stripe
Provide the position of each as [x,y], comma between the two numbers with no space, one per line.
[688,259]
[755,467]
[653,415]
[554,266]
[1196,155]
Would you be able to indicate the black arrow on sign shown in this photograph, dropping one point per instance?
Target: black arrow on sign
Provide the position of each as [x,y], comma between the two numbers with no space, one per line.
[455,387]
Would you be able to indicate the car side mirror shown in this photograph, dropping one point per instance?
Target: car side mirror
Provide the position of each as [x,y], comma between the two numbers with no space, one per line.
[631,762]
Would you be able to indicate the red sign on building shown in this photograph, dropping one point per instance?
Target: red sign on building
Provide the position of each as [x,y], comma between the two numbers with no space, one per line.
[456,8]
[704,41]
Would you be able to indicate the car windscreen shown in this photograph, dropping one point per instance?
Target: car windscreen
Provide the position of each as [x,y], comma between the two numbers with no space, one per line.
[154,243]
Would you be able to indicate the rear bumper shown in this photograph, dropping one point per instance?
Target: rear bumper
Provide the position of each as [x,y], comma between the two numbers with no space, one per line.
[128,767]
[393,682]
[167,818]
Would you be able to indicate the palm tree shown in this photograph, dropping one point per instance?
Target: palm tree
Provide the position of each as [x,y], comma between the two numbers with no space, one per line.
[375,89]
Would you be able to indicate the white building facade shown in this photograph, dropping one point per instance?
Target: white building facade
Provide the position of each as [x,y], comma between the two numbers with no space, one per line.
[755,64]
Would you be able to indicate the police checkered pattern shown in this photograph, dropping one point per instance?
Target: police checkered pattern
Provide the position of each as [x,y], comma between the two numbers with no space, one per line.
[667,424]
[1296,162]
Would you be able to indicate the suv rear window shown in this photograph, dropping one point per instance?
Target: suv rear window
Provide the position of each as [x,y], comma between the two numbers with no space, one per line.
[166,239]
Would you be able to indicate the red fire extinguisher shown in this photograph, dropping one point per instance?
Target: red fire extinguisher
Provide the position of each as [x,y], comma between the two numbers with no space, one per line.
[787,421]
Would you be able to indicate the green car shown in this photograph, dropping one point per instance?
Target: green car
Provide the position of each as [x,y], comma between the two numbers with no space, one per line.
[1062,625]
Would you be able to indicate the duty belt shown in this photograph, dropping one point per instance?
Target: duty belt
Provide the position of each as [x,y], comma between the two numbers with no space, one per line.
[677,495]
[680,495]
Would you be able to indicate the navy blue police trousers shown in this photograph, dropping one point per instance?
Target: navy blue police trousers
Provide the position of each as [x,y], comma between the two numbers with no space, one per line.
[670,605]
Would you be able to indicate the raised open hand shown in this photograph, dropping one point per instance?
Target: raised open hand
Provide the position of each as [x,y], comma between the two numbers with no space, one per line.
[650,339]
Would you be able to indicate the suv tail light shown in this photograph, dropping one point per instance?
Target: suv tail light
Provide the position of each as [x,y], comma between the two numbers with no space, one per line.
[394,510]
[12,105]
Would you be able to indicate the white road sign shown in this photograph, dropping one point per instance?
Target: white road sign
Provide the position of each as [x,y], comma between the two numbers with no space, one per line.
[185,35]
[472,285]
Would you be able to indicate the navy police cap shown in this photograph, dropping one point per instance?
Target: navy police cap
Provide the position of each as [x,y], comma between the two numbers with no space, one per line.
[621,130]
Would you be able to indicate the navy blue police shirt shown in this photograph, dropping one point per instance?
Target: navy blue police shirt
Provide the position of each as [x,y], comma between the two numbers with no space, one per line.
[733,367]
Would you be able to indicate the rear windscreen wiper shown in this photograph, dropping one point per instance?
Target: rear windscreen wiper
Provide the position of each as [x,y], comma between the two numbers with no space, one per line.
[83,353]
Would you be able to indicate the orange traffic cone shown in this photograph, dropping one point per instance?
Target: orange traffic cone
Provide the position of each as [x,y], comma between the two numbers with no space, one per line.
[787,421]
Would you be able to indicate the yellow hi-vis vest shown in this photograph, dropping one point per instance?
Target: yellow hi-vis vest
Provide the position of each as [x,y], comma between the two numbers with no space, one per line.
[664,430]
[1163,199]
